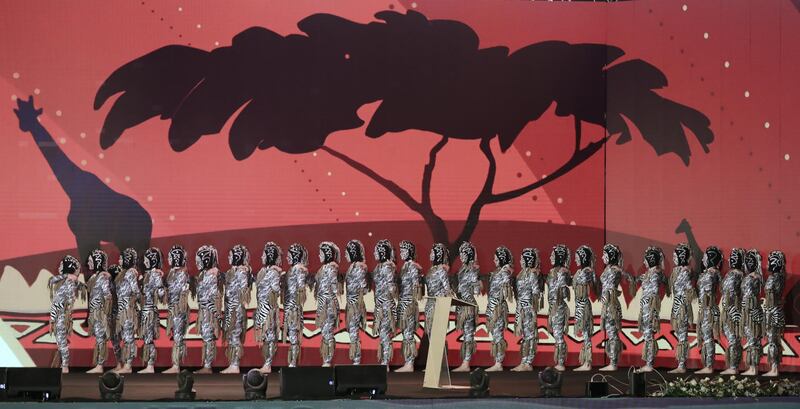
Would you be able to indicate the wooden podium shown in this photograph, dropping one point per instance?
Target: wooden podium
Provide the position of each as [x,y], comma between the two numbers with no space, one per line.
[437,347]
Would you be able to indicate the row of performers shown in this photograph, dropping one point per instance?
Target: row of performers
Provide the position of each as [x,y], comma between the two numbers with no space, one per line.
[124,304]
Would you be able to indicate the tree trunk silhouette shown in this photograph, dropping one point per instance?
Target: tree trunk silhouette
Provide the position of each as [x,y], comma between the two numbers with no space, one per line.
[424,208]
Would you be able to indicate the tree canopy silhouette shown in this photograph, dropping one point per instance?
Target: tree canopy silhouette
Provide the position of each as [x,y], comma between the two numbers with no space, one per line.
[292,91]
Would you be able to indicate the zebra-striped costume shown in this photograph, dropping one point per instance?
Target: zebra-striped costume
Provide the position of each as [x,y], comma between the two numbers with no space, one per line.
[708,315]
[267,316]
[237,295]
[558,281]
[178,290]
[469,286]
[326,290]
[774,318]
[294,298]
[500,292]
[356,311]
[437,284]
[583,281]
[128,312]
[153,292]
[652,281]
[611,312]
[408,307]
[209,312]
[683,293]
[100,303]
[752,313]
[64,289]
[530,286]
[731,315]
[385,308]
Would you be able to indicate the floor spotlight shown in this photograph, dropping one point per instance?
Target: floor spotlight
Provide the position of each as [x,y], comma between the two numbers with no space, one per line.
[550,383]
[185,386]
[111,386]
[255,385]
[478,384]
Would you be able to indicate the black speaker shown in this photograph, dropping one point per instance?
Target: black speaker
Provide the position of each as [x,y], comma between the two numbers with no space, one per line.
[638,381]
[360,379]
[33,383]
[307,382]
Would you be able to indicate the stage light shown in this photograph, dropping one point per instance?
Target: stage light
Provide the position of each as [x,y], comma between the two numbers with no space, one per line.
[478,384]
[255,385]
[550,383]
[185,386]
[111,386]
[637,381]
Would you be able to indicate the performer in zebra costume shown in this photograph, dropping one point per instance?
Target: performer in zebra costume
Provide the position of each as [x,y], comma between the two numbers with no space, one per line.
[683,293]
[294,299]
[115,270]
[179,286]
[611,312]
[731,315]
[128,293]
[501,290]
[652,281]
[558,282]
[327,289]
[153,293]
[101,300]
[385,299]
[356,285]
[437,281]
[468,286]
[774,318]
[530,287]
[267,316]
[64,289]
[238,281]
[583,281]
[408,307]
[209,303]
[708,314]
[752,314]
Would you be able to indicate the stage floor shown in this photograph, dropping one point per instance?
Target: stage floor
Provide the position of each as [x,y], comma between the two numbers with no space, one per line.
[215,387]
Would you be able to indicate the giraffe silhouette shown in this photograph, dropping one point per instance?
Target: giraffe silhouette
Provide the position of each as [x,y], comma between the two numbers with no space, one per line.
[96,213]
[697,253]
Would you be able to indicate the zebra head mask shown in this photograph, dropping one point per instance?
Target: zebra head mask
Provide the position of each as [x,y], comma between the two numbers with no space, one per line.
[503,257]
[584,256]
[612,255]
[736,259]
[439,254]
[752,261]
[466,252]
[128,258]
[152,258]
[297,254]
[328,252]
[654,257]
[529,258]
[384,251]
[97,260]
[271,255]
[114,270]
[559,257]
[69,265]
[408,251]
[712,257]
[776,262]
[177,256]
[682,254]
[355,251]
[206,257]
[239,256]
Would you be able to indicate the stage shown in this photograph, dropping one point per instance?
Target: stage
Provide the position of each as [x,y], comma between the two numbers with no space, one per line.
[401,387]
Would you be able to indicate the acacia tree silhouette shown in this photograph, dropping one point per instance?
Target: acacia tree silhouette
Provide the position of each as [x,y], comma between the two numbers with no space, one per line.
[293,91]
